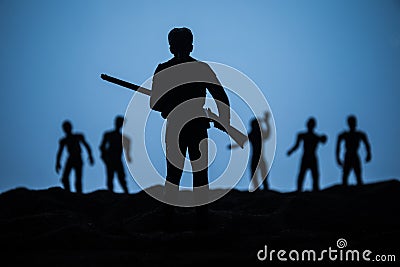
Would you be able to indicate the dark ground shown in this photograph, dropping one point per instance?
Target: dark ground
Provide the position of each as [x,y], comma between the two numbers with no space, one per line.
[54,227]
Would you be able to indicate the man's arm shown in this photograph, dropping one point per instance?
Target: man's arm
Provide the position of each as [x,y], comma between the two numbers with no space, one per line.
[126,144]
[157,97]
[103,146]
[365,140]
[89,151]
[323,138]
[338,145]
[59,153]
[296,145]
[267,131]
[221,98]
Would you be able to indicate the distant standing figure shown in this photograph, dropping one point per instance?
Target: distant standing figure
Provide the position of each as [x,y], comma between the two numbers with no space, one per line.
[309,159]
[352,139]
[73,143]
[257,135]
[111,153]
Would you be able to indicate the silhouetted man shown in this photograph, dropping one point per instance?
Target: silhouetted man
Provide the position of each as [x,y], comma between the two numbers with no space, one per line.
[257,135]
[111,153]
[352,139]
[74,161]
[178,92]
[309,159]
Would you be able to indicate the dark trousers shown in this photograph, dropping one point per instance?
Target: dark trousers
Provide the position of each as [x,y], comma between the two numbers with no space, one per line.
[189,141]
[191,138]
[308,164]
[258,164]
[115,167]
[351,162]
[76,164]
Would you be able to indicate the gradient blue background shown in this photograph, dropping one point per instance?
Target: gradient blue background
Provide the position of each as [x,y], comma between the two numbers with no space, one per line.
[311,58]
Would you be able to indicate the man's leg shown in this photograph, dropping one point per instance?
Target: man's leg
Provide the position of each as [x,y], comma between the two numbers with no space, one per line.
[346,171]
[78,177]
[65,176]
[315,175]
[300,177]
[198,154]
[264,173]
[121,177]
[357,171]
[253,172]
[110,176]
[175,157]
[254,165]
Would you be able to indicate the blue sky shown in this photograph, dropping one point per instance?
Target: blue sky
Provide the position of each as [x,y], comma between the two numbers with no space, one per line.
[326,59]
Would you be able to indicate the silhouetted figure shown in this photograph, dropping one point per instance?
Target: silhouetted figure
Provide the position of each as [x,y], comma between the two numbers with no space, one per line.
[74,161]
[352,139]
[182,107]
[309,159]
[111,153]
[257,135]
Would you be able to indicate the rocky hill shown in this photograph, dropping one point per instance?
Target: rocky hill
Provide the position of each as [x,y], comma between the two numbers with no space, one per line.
[54,227]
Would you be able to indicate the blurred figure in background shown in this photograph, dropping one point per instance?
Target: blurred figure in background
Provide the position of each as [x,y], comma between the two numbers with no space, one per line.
[74,161]
[111,148]
[309,160]
[352,140]
[258,166]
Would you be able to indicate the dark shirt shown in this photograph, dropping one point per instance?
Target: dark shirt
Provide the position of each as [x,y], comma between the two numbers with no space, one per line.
[352,141]
[72,142]
[310,143]
[175,86]
[111,146]
[255,139]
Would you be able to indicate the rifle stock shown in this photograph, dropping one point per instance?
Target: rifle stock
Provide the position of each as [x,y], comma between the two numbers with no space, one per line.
[234,133]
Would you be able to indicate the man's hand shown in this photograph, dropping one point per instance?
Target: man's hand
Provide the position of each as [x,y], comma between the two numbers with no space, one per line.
[368,158]
[324,138]
[266,116]
[58,167]
[289,152]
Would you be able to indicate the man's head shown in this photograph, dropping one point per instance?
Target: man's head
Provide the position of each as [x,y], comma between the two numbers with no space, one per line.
[180,41]
[118,122]
[352,122]
[311,123]
[67,127]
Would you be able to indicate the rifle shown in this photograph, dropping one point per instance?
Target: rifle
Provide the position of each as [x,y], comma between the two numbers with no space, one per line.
[234,133]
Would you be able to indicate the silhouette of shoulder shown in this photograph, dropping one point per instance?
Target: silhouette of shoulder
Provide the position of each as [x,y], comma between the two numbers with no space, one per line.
[172,62]
[75,136]
[199,69]
[79,136]
[346,134]
[362,134]
[112,136]
[301,135]
[108,134]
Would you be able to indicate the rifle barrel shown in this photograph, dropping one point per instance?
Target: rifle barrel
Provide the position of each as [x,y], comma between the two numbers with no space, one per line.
[125,84]
[234,133]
